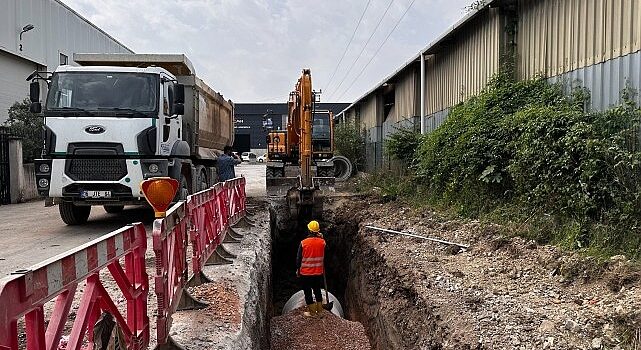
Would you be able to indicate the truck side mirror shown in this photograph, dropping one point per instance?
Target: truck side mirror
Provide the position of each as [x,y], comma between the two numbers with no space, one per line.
[34,91]
[179,93]
[35,107]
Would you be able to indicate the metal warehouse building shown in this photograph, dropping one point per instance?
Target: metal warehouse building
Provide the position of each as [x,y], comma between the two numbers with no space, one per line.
[42,34]
[251,133]
[595,44]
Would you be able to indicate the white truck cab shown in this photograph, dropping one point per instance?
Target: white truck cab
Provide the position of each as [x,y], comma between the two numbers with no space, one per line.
[108,128]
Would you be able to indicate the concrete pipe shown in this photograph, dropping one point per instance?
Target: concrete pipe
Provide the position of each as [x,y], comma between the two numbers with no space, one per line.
[298,300]
[343,168]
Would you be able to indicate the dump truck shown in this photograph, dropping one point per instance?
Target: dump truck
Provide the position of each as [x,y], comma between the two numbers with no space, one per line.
[118,119]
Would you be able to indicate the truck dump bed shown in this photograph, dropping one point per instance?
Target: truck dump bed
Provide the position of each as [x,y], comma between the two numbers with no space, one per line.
[208,122]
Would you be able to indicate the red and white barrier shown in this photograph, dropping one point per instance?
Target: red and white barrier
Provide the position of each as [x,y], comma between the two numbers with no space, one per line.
[210,214]
[170,248]
[208,224]
[236,199]
[24,294]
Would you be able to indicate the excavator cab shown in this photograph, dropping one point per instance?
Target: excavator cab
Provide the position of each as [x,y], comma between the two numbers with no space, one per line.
[305,148]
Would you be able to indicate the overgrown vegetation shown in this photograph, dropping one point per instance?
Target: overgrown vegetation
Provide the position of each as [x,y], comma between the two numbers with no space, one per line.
[28,126]
[349,142]
[402,144]
[526,152]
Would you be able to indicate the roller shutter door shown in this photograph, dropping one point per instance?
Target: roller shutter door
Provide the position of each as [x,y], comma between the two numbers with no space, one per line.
[13,86]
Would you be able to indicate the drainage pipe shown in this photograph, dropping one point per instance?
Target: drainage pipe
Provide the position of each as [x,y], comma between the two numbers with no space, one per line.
[298,300]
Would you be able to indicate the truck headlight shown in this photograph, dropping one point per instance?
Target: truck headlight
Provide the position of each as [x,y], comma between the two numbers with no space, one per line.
[153,168]
[43,183]
[44,168]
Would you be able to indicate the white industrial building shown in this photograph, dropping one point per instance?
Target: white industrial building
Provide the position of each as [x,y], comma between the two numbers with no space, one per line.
[42,34]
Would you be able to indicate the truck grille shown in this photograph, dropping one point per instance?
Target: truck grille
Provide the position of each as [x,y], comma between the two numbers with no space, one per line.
[108,164]
[96,169]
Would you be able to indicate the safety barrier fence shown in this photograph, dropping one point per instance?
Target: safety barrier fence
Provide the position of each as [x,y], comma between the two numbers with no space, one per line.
[170,248]
[236,199]
[204,220]
[24,294]
[208,224]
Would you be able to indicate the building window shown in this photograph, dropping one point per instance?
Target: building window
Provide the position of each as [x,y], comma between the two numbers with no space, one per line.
[63,59]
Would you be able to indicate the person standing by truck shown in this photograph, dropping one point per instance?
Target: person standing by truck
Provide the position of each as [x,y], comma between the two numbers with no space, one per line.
[226,164]
[310,268]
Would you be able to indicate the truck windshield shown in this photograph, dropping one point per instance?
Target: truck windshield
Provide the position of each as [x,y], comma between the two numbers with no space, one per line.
[103,91]
[321,129]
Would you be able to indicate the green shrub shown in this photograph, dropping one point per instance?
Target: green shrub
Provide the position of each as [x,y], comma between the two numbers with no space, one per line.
[526,151]
[402,144]
[349,142]
[28,126]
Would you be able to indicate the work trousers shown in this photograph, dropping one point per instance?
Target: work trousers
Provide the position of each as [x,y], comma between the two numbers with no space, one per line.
[309,284]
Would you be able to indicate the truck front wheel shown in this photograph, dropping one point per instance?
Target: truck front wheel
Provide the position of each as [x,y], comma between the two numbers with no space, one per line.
[73,214]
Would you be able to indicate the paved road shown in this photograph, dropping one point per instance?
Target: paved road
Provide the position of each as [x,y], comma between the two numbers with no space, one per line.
[30,233]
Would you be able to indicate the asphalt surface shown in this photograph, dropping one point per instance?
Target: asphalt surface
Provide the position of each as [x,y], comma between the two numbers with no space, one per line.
[31,233]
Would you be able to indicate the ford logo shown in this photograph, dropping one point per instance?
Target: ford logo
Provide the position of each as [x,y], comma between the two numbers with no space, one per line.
[95,129]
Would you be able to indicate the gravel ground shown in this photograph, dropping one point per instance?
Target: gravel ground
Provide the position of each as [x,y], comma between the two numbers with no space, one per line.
[294,331]
[223,300]
[502,293]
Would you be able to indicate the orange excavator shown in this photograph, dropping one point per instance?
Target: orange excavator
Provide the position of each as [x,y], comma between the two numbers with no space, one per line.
[294,154]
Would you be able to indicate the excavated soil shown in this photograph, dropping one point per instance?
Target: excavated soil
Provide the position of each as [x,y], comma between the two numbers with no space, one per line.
[501,293]
[223,300]
[294,331]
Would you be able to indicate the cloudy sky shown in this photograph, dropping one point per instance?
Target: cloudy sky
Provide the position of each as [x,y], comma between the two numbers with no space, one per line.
[253,50]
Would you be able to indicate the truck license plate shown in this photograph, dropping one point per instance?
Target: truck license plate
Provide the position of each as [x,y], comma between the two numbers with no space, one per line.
[95,194]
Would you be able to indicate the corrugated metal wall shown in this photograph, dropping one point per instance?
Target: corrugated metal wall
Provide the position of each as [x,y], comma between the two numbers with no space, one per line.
[606,80]
[435,120]
[369,112]
[57,30]
[559,36]
[462,69]
[406,94]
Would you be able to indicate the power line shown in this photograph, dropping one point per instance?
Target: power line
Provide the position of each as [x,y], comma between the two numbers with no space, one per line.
[377,50]
[329,82]
[362,50]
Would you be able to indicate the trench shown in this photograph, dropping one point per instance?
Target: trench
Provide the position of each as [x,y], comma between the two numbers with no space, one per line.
[358,277]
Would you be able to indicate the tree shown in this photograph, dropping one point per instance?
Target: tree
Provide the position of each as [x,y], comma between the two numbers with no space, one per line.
[28,126]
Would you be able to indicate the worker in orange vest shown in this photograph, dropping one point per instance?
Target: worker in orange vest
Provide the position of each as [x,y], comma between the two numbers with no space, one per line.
[310,267]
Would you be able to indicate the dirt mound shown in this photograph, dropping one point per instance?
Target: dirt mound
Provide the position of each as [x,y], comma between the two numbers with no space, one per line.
[223,300]
[502,293]
[294,331]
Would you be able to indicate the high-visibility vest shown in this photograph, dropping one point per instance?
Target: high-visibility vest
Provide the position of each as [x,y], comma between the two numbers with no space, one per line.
[313,255]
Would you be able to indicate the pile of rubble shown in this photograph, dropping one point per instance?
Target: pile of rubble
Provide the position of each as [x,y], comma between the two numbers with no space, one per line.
[295,331]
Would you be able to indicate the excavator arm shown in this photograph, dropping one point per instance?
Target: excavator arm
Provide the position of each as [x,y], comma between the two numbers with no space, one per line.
[303,191]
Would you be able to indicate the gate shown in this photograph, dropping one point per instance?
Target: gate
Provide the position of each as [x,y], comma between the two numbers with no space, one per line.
[5,196]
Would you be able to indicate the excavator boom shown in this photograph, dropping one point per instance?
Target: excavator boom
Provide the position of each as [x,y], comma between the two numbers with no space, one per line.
[303,190]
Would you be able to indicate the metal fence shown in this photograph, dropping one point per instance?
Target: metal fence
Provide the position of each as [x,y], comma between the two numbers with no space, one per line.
[5,195]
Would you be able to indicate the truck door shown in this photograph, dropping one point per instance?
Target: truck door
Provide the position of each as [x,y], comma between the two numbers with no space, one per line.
[171,124]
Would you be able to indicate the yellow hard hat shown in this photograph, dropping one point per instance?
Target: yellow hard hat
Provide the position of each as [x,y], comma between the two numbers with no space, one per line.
[314,226]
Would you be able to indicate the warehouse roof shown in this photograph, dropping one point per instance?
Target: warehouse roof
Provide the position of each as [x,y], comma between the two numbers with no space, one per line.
[431,48]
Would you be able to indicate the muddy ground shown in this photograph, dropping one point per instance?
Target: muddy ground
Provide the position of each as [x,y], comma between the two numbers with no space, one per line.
[502,293]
